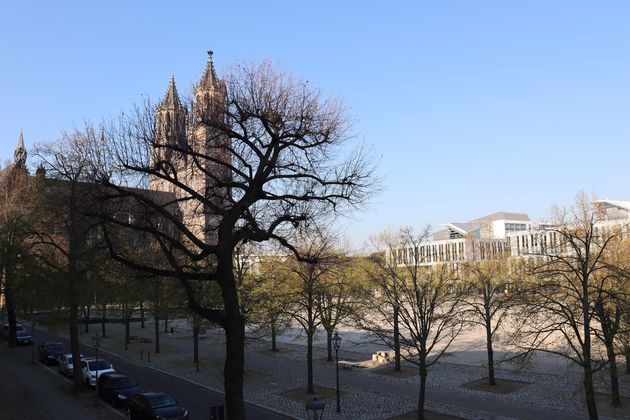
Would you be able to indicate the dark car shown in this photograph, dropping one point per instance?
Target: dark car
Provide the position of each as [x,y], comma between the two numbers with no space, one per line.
[24,337]
[115,387]
[50,353]
[154,405]
[5,330]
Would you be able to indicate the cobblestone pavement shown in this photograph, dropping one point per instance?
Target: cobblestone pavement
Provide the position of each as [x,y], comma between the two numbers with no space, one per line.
[366,394]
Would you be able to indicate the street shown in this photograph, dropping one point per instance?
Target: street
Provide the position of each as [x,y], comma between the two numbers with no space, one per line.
[197,400]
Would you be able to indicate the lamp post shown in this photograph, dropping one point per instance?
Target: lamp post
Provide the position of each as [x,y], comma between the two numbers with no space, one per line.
[315,409]
[336,344]
[96,340]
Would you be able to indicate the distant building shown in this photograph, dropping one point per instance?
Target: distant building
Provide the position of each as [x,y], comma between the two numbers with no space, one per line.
[542,237]
[477,239]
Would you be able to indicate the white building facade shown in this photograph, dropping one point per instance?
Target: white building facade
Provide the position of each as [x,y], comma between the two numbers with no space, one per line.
[502,234]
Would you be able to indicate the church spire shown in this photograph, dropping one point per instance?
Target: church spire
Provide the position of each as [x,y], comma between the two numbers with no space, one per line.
[19,157]
[171,99]
[209,78]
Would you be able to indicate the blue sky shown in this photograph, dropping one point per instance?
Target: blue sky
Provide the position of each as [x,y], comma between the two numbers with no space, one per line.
[474,106]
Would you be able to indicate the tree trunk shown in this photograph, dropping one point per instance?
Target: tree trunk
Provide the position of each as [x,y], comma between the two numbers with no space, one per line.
[590,391]
[234,326]
[141,315]
[103,318]
[626,352]
[86,313]
[329,345]
[309,361]
[273,337]
[196,328]
[11,315]
[397,365]
[156,318]
[234,368]
[127,329]
[75,346]
[422,391]
[491,379]
[614,377]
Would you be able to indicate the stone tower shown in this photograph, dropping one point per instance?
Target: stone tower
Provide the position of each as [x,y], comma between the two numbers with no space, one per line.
[203,146]
[19,156]
[170,137]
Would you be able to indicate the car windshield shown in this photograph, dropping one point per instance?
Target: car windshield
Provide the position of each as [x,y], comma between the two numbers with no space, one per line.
[22,333]
[55,347]
[100,365]
[124,383]
[159,401]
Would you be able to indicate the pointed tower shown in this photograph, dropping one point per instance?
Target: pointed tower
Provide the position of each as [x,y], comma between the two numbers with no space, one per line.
[209,93]
[19,157]
[208,110]
[170,134]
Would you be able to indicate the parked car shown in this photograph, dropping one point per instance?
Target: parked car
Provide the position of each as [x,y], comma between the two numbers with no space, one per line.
[49,353]
[115,387]
[24,337]
[5,330]
[93,368]
[154,405]
[66,367]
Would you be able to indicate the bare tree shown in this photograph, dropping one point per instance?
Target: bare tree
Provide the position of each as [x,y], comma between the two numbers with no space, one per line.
[67,239]
[429,315]
[384,274]
[318,261]
[267,148]
[339,297]
[15,235]
[487,299]
[568,271]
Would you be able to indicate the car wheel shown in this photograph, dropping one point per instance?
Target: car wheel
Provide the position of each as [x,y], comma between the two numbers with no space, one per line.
[114,401]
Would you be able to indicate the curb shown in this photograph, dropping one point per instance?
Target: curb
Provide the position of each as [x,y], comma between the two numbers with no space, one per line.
[262,407]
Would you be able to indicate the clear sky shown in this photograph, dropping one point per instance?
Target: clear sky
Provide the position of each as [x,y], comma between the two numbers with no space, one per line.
[474,106]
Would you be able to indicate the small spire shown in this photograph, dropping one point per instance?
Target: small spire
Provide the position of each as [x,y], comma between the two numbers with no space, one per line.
[209,78]
[19,157]
[171,99]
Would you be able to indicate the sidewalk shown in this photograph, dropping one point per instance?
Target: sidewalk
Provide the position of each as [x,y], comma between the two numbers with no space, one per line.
[29,391]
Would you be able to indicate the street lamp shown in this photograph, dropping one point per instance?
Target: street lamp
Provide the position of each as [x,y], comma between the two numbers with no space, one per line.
[96,340]
[315,409]
[336,344]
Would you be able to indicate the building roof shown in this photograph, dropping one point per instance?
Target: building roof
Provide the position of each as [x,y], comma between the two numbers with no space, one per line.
[464,228]
[502,215]
[615,203]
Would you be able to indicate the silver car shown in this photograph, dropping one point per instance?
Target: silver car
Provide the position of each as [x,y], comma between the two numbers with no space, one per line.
[66,366]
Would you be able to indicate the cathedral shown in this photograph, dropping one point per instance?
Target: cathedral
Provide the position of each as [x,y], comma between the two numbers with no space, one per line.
[188,152]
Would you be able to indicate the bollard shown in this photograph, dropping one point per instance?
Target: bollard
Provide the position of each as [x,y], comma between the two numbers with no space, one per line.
[140,354]
[172,330]
[217,413]
[149,356]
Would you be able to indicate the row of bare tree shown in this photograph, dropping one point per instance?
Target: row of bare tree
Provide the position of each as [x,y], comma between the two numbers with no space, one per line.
[568,298]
